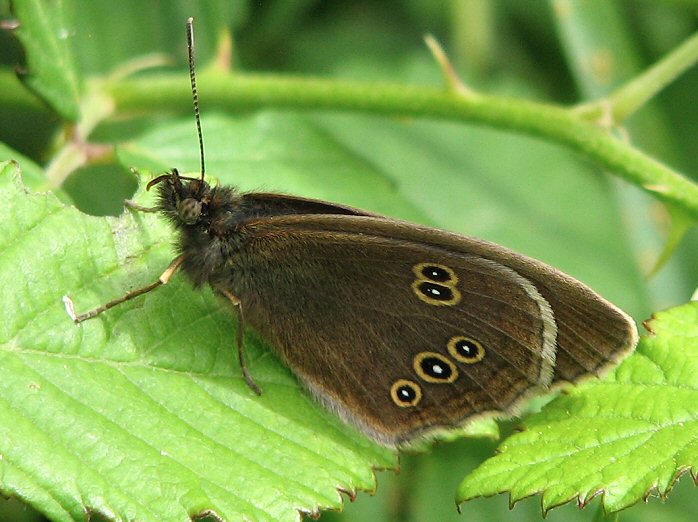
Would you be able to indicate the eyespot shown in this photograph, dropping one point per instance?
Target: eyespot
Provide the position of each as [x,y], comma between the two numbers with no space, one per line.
[435,272]
[466,350]
[405,393]
[434,367]
[436,293]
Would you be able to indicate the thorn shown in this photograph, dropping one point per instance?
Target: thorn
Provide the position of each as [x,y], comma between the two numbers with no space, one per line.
[10,24]
[452,79]
[659,189]
[225,51]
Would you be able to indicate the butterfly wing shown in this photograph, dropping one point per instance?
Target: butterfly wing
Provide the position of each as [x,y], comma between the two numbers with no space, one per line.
[404,329]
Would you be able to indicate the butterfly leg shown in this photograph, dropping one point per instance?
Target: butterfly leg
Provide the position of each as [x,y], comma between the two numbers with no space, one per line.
[163,279]
[241,342]
[140,208]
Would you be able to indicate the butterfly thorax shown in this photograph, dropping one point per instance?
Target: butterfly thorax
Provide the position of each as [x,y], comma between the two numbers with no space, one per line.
[208,221]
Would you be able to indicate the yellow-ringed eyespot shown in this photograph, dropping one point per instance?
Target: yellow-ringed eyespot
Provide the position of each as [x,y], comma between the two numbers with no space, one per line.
[466,349]
[434,367]
[405,393]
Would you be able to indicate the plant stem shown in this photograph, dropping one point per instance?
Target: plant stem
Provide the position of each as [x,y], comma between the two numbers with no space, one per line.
[634,94]
[556,124]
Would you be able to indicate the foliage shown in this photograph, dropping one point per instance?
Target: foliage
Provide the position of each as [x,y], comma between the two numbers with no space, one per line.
[142,414]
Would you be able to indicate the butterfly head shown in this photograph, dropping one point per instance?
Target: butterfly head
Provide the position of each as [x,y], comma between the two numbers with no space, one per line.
[184,200]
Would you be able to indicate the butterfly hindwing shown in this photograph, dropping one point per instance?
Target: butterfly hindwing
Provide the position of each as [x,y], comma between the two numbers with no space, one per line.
[403,332]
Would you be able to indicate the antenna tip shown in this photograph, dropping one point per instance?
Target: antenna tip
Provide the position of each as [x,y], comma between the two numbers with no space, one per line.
[190,20]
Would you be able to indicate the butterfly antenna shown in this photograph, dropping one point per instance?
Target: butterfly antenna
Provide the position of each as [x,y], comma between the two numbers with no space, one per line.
[194,91]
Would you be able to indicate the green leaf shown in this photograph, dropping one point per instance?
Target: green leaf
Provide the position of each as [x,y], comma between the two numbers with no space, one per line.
[142,414]
[51,69]
[272,152]
[624,437]
[33,174]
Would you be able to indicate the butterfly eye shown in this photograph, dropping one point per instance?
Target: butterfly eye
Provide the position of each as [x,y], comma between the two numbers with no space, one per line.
[406,393]
[434,367]
[466,350]
[189,210]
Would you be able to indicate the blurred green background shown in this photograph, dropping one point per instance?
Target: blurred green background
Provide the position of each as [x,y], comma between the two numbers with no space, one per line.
[522,193]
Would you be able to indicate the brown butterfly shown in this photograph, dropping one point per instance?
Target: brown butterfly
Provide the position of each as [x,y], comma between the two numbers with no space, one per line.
[399,328]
